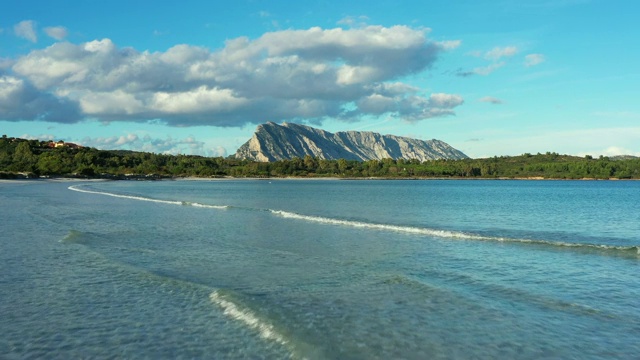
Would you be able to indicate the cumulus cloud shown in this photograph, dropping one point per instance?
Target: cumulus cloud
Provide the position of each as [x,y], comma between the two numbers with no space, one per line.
[285,75]
[447,101]
[410,108]
[56,32]
[492,100]
[218,151]
[27,30]
[146,143]
[19,100]
[533,59]
[5,64]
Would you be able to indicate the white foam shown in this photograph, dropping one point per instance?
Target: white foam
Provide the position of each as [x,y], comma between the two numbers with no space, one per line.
[230,309]
[454,234]
[387,227]
[206,206]
[140,198]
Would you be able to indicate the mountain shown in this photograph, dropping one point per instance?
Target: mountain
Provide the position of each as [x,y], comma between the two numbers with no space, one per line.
[272,142]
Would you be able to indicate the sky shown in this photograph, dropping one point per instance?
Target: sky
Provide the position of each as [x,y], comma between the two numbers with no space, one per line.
[489,77]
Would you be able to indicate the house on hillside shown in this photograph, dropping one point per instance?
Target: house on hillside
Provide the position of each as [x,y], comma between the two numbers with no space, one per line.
[57,144]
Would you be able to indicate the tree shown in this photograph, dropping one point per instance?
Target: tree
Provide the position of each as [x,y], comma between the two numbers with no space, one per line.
[342,165]
[310,163]
[23,158]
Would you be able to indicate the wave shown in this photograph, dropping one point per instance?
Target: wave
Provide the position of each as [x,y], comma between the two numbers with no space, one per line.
[616,250]
[633,251]
[613,249]
[479,286]
[387,227]
[73,237]
[249,318]
[141,198]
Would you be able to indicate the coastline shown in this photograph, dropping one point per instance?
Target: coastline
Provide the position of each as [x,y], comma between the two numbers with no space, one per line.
[60,179]
[296,178]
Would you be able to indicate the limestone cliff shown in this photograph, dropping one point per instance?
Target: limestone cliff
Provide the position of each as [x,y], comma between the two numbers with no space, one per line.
[272,142]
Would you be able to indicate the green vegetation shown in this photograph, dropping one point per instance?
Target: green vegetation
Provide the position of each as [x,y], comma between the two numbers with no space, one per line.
[33,158]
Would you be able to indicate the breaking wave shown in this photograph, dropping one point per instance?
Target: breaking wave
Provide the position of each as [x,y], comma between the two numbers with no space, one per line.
[616,250]
[249,318]
[610,249]
[74,236]
[141,198]
[386,227]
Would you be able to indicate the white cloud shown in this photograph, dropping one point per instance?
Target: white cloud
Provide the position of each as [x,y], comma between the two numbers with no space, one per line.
[492,100]
[21,101]
[42,137]
[494,55]
[589,141]
[137,142]
[500,52]
[417,108]
[125,140]
[56,32]
[283,75]
[198,100]
[5,64]
[377,104]
[483,70]
[354,21]
[533,59]
[348,75]
[146,143]
[27,30]
[218,151]
[110,103]
[410,108]
[450,44]
[448,101]
[617,150]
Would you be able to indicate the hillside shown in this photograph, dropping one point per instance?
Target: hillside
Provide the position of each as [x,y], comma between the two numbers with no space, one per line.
[20,158]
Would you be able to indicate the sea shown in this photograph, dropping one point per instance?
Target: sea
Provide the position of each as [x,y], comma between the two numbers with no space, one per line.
[320,269]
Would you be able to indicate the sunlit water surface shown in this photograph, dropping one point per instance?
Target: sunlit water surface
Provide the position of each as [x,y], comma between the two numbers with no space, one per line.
[320,269]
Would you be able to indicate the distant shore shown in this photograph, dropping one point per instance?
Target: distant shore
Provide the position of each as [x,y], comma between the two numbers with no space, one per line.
[192,178]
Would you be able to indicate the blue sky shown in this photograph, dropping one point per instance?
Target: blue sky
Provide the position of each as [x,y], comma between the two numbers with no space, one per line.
[500,77]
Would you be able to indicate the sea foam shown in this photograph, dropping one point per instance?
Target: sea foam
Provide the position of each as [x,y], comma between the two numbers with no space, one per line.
[387,227]
[141,198]
[616,250]
[626,251]
[266,330]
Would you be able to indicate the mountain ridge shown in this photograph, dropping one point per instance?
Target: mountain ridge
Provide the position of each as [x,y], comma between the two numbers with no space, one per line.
[273,142]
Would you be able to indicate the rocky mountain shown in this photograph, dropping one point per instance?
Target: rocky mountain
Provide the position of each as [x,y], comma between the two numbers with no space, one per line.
[272,142]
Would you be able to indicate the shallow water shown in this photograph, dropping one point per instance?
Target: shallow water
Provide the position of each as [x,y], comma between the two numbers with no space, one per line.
[320,269]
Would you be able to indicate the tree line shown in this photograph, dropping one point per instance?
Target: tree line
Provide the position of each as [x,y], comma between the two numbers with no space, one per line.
[34,158]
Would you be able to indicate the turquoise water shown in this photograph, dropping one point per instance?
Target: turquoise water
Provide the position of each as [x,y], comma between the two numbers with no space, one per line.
[320,269]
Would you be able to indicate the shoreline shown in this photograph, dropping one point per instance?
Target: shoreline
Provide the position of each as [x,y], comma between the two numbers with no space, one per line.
[333,178]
